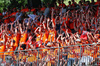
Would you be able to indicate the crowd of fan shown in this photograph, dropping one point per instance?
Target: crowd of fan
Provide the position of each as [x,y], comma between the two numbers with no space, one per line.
[52,26]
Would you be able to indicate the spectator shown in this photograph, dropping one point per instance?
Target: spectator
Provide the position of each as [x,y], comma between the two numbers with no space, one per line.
[76,29]
[47,12]
[4,12]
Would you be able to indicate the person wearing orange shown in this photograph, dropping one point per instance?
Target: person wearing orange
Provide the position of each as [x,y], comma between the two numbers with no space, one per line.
[24,35]
[77,52]
[10,48]
[2,48]
[16,38]
[52,33]
[45,36]
[38,34]
[71,56]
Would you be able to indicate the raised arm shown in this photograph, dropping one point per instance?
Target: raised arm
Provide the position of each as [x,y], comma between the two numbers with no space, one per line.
[56,19]
[20,28]
[52,14]
[36,31]
[24,24]
[66,33]
[75,27]
[12,27]
[96,23]
[41,19]
[58,37]
[48,20]
[1,27]
[87,21]
[96,30]
[44,25]
[67,15]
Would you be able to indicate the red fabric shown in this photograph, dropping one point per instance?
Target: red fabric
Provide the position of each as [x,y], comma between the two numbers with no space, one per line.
[14,13]
[98,63]
[74,4]
[62,5]
[0,14]
[25,10]
[33,9]
[53,21]
[7,20]
[69,31]
[84,35]
[72,25]
[42,9]
[38,43]
[12,19]
[0,35]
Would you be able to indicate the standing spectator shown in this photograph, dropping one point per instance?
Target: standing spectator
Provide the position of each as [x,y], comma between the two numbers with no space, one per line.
[4,12]
[47,11]
[69,6]
[18,15]
[74,4]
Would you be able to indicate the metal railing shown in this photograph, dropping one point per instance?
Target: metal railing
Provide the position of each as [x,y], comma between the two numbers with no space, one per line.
[74,55]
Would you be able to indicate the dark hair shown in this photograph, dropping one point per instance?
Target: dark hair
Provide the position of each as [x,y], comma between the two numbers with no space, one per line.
[23,46]
[14,41]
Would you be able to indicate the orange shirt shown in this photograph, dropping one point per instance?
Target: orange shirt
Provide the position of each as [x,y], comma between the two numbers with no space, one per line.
[17,38]
[71,55]
[77,52]
[95,52]
[10,53]
[45,36]
[87,51]
[50,37]
[32,58]
[2,49]
[38,37]
[24,37]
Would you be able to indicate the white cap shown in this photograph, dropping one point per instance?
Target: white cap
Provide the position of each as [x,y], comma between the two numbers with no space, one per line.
[94,43]
[78,40]
[49,44]
[2,41]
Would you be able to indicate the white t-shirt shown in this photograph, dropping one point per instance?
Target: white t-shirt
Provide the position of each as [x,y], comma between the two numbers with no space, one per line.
[4,13]
[86,60]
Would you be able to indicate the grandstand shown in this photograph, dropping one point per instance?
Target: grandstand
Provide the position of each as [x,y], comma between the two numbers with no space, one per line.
[51,35]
